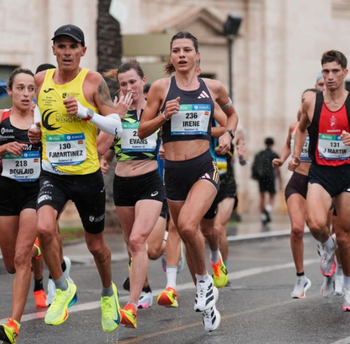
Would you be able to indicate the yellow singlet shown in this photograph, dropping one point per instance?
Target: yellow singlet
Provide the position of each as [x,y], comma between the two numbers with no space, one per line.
[69,143]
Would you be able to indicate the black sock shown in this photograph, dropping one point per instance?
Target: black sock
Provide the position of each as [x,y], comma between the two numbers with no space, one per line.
[147,289]
[63,265]
[38,284]
[300,274]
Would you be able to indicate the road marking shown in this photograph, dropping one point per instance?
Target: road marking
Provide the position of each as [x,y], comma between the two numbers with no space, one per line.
[232,276]
[343,341]
[224,317]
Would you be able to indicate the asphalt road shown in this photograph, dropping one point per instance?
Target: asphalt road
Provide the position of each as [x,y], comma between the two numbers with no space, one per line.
[256,308]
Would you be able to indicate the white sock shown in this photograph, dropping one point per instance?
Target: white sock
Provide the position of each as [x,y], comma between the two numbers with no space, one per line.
[171,273]
[339,269]
[268,208]
[202,277]
[165,238]
[346,283]
[329,244]
[215,256]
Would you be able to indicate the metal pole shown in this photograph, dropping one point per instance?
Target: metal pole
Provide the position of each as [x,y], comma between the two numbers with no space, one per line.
[230,76]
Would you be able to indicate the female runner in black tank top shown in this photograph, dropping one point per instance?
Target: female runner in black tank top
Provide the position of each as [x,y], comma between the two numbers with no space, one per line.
[138,190]
[183,105]
[19,187]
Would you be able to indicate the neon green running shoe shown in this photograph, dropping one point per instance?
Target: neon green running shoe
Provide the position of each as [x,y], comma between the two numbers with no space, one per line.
[57,313]
[220,274]
[110,309]
[9,331]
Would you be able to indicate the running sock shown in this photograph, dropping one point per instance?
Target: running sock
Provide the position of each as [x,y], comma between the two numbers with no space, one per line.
[215,256]
[171,273]
[147,289]
[329,244]
[61,283]
[339,270]
[107,291]
[346,283]
[166,234]
[299,274]
[63,266]
[38,284]
[202,277]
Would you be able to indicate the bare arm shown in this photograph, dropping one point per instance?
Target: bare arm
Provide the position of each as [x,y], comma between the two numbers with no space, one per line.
[301,132]
[239,142]
[221,97]
[286,149]
[221,118]
[106,161]
[151,121]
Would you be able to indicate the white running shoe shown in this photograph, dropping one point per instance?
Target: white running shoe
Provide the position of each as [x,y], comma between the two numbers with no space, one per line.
[211,319]
[207,294]
[328,264]
[182,260]
[338,284]
[346,301]
[302,284]
[145,300]
[327,288]
[67,271]
[51,288]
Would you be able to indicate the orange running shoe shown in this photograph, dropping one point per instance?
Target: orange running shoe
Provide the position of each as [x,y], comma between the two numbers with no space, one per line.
[168,298]
[40,298]
[9,331]
[129,316]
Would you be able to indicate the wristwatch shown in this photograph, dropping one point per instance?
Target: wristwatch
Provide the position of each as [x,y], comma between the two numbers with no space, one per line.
[231,132]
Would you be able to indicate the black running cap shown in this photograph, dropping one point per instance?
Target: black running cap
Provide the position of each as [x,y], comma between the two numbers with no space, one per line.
[72,31]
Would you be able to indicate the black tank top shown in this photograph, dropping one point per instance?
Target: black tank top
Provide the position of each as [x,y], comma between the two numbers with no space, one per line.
[9,133]
[193,121]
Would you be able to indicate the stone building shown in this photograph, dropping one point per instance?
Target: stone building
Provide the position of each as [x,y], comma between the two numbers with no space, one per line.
[276,54]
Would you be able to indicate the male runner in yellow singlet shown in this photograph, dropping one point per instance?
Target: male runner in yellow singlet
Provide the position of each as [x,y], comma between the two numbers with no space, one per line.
[69,98]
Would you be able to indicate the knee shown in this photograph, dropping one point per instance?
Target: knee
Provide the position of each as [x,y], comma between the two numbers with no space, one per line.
[342,239]
[187,231]
[314,225]
[45,231]
[298,232]
[153,253]
[137,243]
[97,247]
[21,259]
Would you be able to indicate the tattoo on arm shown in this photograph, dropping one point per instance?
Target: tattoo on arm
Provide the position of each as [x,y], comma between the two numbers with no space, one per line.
[104,95]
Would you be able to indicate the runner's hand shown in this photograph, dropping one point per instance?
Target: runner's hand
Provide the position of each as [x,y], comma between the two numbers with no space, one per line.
[105,165]
[277,163]
[293,164]
[15,148]
[34,133]
[71,105]
[345,137]
[124,103]
[224,143]
[172,107]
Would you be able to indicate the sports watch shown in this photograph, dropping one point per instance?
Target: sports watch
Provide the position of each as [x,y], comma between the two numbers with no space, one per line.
[89,114]
[231,132]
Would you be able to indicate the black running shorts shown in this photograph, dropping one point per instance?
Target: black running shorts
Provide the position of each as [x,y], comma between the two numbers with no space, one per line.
[297,185]
[128,190]
[334,179]
[86,191]
[16,196]
[180,176]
